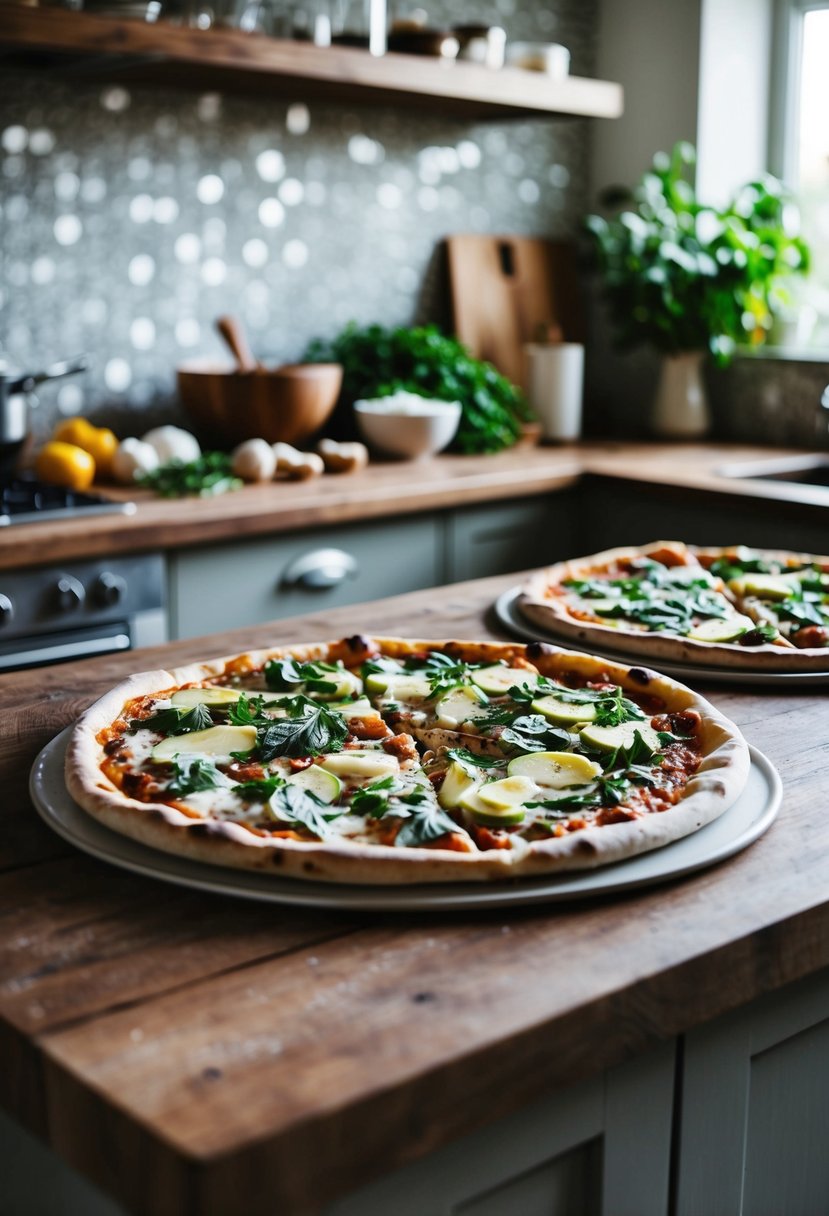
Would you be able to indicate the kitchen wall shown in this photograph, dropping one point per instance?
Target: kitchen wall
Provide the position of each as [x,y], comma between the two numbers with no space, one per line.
[132,217]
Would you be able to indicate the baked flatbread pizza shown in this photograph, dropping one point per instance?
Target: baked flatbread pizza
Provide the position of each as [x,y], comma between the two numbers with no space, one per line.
[759,610]
[373,760]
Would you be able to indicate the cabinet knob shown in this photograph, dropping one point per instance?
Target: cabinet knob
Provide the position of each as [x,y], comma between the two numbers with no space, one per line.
[6,610]
[320,569]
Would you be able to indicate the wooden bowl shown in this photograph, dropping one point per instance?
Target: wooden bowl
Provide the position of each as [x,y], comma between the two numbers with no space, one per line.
[288,404]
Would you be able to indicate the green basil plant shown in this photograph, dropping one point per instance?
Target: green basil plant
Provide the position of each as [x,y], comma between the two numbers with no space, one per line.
[681,275]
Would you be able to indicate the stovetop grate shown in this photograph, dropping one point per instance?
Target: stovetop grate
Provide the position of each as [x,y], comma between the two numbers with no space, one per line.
[25,500]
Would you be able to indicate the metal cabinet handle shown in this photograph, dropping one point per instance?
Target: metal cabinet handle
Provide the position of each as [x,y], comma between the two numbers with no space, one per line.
[320,569]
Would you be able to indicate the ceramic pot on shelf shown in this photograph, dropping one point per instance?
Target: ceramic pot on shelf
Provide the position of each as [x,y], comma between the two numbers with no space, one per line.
[680,408]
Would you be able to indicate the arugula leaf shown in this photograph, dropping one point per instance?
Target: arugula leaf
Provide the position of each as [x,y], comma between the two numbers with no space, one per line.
[758,635]
[192,773]
[373,800]
[292,804]
[533,733]
[424,820]
[614,708]
[443,672]
[465,757]
[248,711]
[607,790]
[286,675]
[174,720]
[639,752]
[311,730]
[803,613]
[374,666]
[258,791]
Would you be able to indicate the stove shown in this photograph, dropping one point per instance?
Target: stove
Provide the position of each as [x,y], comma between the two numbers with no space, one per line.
[75,609]
[24,500]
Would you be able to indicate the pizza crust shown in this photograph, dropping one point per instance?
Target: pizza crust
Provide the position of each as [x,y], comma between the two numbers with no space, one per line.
[709,792]
[537,605]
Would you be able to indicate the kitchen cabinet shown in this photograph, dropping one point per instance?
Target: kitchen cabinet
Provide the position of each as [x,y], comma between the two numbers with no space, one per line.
[619,512]
[232,59]
[487,540]
[754,1117]
[568,1155]
[221,586]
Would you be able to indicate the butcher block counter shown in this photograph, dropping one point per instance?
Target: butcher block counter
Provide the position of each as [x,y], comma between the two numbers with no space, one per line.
[192,1054]
[398,488]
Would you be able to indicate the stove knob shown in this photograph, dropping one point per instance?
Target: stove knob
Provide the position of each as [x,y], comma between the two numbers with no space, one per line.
[110,589]
[6,610]
[69,593]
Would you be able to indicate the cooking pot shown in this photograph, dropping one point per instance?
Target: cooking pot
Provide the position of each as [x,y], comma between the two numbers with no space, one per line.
[15,387]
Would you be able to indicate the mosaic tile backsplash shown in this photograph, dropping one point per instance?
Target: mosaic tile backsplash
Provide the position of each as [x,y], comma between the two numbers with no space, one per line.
[131,218]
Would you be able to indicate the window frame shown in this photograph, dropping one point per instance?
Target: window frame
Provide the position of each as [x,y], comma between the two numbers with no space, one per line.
[784,92]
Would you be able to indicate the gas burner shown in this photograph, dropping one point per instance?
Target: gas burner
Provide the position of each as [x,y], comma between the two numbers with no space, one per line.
[23,500]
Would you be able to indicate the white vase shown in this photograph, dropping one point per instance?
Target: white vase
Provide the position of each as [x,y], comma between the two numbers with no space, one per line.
[680,409]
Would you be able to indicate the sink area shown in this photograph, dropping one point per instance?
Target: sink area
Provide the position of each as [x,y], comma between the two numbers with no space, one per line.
[801,470]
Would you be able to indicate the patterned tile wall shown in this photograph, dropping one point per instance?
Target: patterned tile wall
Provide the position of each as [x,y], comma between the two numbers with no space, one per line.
[131,218]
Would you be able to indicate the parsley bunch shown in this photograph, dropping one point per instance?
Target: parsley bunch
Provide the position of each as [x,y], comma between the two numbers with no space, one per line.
[377,362]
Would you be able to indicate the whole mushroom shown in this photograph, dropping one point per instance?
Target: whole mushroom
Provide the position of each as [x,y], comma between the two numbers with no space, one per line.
[254,460]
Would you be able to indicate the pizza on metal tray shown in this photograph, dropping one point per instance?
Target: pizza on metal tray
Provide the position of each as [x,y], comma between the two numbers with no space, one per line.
[384,760]
[732,607]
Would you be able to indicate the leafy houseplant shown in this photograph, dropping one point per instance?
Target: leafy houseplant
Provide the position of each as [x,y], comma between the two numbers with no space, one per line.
[377,362]
[686,277]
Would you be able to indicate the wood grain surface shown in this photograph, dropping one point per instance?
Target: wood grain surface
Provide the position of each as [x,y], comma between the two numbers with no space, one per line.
[222,57]
[505,289]
[388,488]
[192,1054]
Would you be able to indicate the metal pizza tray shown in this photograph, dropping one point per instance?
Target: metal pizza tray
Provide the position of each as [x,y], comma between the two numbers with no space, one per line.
[746,820]
[507,611]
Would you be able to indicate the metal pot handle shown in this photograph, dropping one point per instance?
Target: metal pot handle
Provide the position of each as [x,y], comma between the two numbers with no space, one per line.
[68,367]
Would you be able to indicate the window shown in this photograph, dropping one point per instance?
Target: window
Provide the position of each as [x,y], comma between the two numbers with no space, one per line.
[800,152]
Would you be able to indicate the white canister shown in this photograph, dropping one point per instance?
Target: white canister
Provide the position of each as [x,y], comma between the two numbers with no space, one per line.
[555,384]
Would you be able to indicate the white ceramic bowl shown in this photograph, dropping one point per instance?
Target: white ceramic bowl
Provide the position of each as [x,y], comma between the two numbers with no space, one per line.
[412,427]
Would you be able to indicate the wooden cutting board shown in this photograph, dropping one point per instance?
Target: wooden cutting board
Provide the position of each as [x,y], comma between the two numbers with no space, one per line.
[504,288]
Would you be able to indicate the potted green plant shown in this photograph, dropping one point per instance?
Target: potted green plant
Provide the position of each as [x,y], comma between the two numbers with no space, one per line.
[688,278]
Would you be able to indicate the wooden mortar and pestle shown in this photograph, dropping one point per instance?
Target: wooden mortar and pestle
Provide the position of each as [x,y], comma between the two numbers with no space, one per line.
[287,404]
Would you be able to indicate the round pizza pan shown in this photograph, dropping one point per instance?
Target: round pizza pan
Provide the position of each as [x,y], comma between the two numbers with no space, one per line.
[508,613]
[746,820]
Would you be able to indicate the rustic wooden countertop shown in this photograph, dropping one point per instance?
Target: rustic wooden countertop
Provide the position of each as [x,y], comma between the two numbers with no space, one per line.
[395,488]
[195,1054]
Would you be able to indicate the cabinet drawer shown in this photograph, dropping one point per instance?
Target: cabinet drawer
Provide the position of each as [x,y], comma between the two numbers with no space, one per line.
[512,535]
[224,586]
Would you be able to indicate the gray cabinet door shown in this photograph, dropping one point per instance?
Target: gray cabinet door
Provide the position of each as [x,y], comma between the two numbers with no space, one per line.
[218,587]
[512,535]
[754,1126]
[568,1155]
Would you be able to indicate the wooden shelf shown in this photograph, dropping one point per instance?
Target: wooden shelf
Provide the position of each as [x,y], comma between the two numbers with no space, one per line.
[232,60]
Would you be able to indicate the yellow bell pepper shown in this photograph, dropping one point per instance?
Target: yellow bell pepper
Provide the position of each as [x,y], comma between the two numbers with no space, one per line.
[65,464]
[99,441]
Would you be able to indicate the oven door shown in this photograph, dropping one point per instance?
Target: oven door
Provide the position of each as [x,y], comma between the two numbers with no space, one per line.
[62,647]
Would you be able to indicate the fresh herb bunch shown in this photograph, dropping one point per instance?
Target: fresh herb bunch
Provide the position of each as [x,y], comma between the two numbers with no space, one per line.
[208,475]
[377,362]
[684,276]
